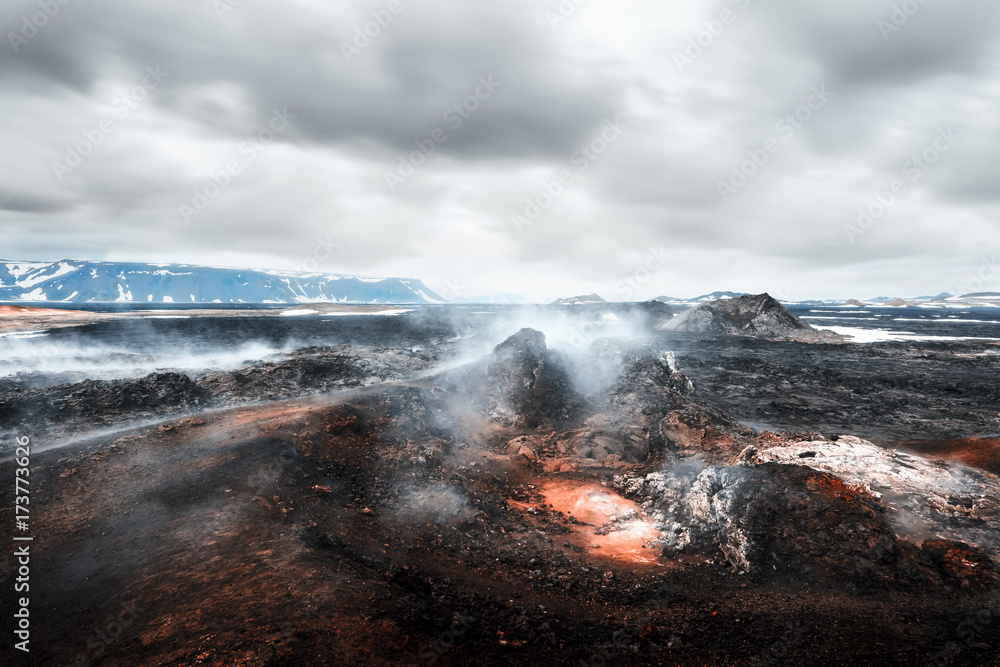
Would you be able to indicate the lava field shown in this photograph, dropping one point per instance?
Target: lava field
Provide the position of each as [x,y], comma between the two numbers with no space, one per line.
[677,501]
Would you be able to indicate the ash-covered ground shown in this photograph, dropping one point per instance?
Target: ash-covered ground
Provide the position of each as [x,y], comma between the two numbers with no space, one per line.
[492,486]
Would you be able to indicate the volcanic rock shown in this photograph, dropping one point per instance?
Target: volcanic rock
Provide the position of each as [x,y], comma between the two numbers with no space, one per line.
[948,500]
[776,519]
[101,401]
[760,316]
[967,565]
[706,318]
[307,371]
[521,383]
[636,389]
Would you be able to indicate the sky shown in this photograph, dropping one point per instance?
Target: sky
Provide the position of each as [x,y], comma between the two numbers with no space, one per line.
[811,149]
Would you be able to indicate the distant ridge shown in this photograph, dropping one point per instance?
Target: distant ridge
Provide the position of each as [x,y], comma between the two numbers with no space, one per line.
[718,296]
[82,281]
[577,300]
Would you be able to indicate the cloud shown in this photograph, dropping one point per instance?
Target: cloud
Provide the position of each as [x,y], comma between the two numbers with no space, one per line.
[363,104]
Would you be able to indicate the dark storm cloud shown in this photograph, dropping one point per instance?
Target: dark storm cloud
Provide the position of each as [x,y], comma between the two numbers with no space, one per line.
[360,103]
[886,42]
[22,202]
[393,92]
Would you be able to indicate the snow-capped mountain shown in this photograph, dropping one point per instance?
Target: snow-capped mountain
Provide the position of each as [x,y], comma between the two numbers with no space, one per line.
[80,281]
[718,296]
[579,300]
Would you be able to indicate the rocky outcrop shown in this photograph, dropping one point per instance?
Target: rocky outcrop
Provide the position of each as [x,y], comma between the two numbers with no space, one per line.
[962,563]
[760,316]
[522,383]
[925,498]
[647,397]
[627,403]
[772,518]
[781,520]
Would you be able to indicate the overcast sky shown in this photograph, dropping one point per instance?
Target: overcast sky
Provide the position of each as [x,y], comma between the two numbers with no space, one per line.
[726,145]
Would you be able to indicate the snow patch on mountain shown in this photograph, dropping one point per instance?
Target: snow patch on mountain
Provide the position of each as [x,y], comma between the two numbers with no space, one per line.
[81,281]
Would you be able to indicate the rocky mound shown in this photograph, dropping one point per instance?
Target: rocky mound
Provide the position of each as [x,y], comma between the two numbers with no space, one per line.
[948,500]
[780,519]
[522,383]
[773,518]
[647,399]
[632,403]
[752,315]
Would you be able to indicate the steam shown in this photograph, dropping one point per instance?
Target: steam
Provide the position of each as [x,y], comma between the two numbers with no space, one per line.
[571,331]
[85,360]
[438,503]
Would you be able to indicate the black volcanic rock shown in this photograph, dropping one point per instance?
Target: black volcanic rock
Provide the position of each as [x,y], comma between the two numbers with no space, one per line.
[95,402]
[101,401]
[643,406]
[752,315]
[760,315]
[706,318]
[522,383]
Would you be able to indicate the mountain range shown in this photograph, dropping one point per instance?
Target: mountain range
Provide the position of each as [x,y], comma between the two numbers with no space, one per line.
[85,281]
[81,281]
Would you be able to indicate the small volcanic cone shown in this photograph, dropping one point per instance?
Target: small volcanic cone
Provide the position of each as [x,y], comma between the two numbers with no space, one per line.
[752,315]
[522,383]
